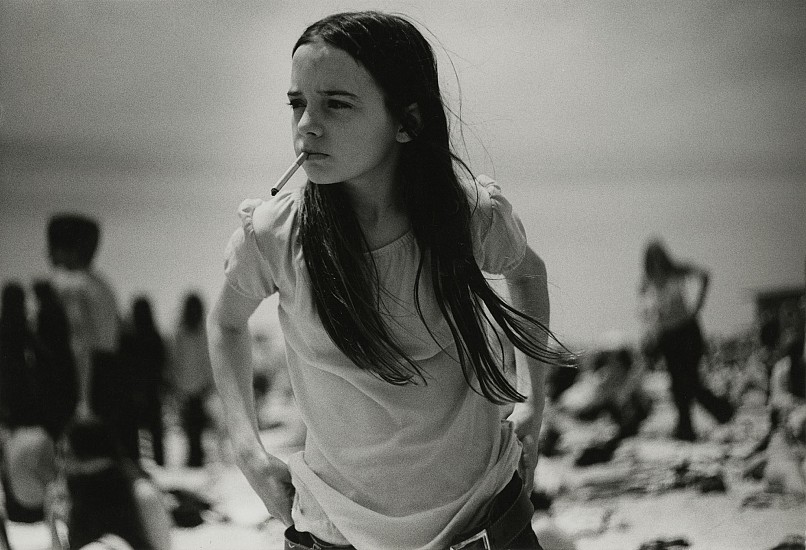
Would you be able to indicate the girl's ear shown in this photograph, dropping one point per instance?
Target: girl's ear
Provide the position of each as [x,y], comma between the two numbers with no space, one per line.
[410,124]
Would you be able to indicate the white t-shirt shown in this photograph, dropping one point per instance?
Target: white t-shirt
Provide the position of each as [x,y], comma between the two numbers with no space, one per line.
[384,466]
[91,308]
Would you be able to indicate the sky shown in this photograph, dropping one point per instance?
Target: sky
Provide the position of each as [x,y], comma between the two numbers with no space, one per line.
[606,124]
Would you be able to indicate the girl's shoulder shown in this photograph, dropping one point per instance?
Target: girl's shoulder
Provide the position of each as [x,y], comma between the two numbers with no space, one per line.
[488,205]
[271,216]
[482,191]
[499,239]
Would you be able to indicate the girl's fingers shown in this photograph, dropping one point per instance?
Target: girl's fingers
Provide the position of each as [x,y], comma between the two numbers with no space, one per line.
[528,462]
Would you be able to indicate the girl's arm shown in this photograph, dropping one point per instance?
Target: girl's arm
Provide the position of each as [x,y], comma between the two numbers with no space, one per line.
[528,292]
[231,358]
[705,280]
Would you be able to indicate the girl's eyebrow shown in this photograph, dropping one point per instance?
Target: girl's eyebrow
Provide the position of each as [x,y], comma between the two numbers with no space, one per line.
[294,93]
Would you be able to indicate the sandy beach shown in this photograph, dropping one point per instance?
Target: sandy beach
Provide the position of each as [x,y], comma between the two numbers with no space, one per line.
[638,497]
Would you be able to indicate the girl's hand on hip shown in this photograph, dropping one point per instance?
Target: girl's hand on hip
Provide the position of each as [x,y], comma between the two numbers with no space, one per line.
[527,428]
[528,462]
[270,478]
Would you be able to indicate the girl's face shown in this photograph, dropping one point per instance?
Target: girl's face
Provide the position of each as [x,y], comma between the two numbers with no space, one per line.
[340,118]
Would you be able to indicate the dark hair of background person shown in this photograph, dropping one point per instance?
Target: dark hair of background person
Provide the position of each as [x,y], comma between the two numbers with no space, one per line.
[142,316]
[193,312]
[658,262]
[75,233]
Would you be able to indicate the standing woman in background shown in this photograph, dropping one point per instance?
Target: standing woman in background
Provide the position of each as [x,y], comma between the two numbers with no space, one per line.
[143,353]
[192,376]
[673,332]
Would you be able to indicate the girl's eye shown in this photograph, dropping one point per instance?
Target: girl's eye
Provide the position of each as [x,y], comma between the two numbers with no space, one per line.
[296,104]
[336,104]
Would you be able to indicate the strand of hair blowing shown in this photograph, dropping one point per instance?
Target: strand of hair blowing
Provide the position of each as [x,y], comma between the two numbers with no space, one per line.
[345,288]
[441,219]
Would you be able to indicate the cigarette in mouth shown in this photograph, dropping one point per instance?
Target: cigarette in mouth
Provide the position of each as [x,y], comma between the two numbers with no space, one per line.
[288,173]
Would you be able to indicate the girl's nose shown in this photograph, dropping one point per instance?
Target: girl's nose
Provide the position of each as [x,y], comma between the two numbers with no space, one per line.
[308,124]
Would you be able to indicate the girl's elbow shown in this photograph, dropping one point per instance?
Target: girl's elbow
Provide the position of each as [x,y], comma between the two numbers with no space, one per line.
[215,327]
[531,266]
[220,322]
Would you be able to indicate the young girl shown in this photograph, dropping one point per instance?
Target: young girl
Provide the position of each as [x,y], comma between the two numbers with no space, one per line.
[390,326]
[673,331]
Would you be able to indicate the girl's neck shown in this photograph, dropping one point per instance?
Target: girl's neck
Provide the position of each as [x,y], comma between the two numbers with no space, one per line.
[379,209]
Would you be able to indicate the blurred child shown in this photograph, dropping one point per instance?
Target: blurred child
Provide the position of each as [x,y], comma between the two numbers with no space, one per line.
[102,499]
[191,376]
[144,356]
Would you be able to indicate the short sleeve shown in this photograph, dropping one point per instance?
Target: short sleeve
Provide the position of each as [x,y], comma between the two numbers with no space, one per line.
[245,266]
[499,240]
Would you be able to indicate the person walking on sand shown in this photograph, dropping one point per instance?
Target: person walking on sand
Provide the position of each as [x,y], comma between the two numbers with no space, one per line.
[673,332]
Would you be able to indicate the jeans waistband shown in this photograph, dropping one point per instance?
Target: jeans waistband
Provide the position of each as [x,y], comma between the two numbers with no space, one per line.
[510,511]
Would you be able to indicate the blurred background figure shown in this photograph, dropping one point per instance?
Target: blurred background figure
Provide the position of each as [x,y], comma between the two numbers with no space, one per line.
[608,386]
[264,377]
[275,404]
[55,363]
[788,375]
[672,332]
[191,376]
[26,449]
[101,499]
[20,399]
[779,458]
[92,311]
[144,356]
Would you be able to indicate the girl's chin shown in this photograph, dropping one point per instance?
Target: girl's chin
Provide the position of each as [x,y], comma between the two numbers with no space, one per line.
[317,177]
[321,181]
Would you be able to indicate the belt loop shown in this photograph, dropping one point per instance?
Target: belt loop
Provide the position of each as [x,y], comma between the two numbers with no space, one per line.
[481,536]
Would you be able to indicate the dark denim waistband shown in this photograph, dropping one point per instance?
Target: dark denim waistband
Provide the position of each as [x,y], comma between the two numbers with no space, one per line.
[508,501]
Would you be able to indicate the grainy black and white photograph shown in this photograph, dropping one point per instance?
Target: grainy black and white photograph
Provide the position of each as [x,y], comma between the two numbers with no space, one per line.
[402,274]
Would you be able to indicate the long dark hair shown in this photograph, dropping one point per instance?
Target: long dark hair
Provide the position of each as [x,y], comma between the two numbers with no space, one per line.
[658,262]
[345,286]
[192,312]
[143,317]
